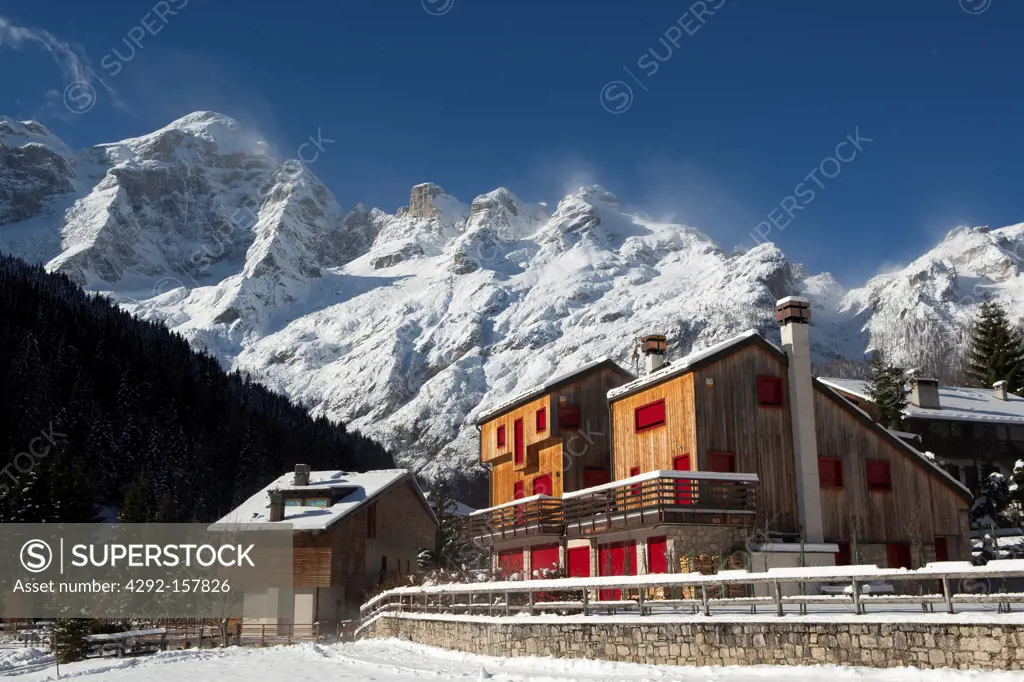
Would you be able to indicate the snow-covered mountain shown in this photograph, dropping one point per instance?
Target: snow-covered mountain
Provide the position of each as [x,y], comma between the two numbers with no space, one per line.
[404,325]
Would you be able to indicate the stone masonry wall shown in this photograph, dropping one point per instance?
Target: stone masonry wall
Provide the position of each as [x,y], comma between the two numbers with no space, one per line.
[880,645]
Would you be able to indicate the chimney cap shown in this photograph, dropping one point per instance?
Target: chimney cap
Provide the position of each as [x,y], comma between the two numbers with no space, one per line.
[793,299]
[793,309]
[302,468]
[924,380]
[1001,383]
[654,343]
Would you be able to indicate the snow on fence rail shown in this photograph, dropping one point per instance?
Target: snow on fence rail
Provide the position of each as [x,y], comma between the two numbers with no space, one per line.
[535,594]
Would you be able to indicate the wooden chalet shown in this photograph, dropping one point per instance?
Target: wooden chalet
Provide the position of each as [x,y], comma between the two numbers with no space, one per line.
[732,457]
[352,531]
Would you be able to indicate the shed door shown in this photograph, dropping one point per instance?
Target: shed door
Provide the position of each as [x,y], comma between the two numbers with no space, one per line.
[510,561]
[541,557]
[616,558]
[657,555]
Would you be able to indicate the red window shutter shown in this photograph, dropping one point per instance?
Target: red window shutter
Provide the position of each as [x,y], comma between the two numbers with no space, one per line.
[879,476]
[941,549]
[769,391]
[657,559]
[722,462]
[649,416]
[579,562]
[542,420]
[501,436]
[569,417]
[517,441]
[843,557]
[830,472]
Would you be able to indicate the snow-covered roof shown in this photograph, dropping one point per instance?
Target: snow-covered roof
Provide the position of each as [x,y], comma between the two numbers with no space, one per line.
[680,366]
[537,391]
[955,402]
[364,487]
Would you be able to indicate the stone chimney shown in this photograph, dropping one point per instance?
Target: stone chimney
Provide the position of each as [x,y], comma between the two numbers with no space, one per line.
[301,475]
[1000,389]
[793,313]
[924,393]
[276,506]
[654,347]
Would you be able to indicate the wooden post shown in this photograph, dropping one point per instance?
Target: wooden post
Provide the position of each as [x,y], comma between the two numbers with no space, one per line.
[777,593]
[200,637]
[263,636]
[424,602]
[947,595]
[506,602]
[490,603]
[856,597]
[640,600]
[704,598]
[586,602]
[531,602]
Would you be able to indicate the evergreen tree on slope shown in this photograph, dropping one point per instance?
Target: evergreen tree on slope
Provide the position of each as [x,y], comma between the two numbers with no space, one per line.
[886,390]
[996,351]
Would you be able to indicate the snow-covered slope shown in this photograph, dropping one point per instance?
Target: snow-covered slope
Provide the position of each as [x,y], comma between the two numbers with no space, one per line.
[406,325]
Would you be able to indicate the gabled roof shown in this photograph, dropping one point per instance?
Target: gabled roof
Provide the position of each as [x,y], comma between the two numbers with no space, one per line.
[548,386]
[364,488]
[694,361]
[957,403]
[864,418]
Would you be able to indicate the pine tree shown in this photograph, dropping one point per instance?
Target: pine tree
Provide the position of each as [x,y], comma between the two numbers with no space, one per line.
[68,643]
[996,349]
[887,393]
[451,552]
[138,503]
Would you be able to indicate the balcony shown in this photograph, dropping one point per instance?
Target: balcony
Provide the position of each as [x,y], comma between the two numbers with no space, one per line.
[658,497]
[527,517]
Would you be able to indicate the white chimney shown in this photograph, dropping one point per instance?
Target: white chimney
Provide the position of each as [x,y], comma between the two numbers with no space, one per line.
[1000,389]
[654,347]
[301,474]
[276,506]
[794,314]
[924,393]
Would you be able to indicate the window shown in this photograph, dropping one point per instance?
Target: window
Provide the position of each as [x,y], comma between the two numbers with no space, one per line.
[635,489]
[879,477]
[769,391]
[941,549]
[517,442]
[542,420]
[898,555]
[722,462]
[569,417]
[501,436]
[830,472]
[843,557]
[371,521]
[649,416]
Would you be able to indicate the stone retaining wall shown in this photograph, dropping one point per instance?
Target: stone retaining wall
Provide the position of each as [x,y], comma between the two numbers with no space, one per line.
[878,644]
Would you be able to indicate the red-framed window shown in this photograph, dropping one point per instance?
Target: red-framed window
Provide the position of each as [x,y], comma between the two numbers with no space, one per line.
[843,556]
[830,472]
[722,462]
[941,549]
[542,420]
[569,417]
[517,442]
[769,391]
[879,475]
[897,555]
[649,416]
[634,489]
[501,436]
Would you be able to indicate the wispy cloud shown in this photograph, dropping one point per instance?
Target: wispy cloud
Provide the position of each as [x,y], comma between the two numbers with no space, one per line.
[73,68]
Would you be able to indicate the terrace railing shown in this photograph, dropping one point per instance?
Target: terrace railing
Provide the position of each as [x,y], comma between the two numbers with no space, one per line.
[529,516]
[662,497]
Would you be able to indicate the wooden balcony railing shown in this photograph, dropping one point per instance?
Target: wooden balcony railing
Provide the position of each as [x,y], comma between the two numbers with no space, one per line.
[662,497]
[537,515]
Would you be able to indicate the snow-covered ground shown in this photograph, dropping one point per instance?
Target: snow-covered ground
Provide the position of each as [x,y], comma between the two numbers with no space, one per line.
[394,660]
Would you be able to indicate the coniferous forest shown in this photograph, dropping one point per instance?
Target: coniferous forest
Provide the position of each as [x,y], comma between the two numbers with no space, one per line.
[98,407]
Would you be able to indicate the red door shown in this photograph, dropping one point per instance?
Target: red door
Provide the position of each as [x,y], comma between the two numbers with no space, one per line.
[517,441]
[657,555]
[542,485]
[593,477]
[578,560]
[941,549]
[543,557]
[510,561]
[684,489]
[897,555]
[618,558]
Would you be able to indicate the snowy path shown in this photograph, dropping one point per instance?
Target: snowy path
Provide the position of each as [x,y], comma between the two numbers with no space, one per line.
[392,661]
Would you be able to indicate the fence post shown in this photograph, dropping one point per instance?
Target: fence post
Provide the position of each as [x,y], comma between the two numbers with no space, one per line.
[704,599]
[200,645]
[947,595]
[777,593]
[424,601]
[490,603]
[586,602]
[856,597]
[263,636]
[640,600]
[531,602]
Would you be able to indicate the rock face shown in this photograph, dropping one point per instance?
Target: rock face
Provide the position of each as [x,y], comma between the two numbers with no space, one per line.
[404,324]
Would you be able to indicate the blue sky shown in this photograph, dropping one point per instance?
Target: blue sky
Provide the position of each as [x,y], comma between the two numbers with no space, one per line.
[476,94]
